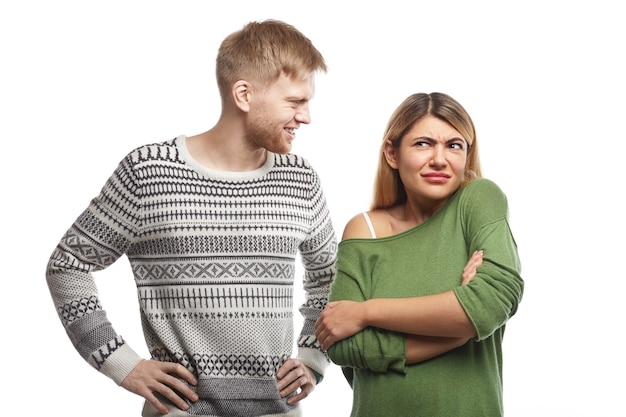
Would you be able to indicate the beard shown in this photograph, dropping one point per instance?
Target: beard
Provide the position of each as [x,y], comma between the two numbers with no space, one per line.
[263,134]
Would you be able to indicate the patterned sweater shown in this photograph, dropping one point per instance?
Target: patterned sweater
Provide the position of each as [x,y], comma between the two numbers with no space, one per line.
[213,255]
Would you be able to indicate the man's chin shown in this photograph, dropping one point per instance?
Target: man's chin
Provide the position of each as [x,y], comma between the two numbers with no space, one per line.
[282,150]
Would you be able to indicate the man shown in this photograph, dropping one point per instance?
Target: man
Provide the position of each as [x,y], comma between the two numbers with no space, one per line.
[211,225]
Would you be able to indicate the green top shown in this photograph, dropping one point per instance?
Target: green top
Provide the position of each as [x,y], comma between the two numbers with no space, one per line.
[429,259]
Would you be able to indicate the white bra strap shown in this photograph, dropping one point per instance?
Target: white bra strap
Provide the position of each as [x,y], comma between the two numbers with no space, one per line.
[369,224]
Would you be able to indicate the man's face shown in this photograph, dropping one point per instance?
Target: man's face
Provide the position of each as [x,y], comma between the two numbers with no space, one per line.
[277,110]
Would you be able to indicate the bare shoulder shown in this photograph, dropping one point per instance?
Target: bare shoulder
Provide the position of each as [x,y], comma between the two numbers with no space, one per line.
[357,227]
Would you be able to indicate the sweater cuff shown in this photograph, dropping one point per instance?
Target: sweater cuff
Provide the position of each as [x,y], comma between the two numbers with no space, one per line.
[120,363]
[315,360]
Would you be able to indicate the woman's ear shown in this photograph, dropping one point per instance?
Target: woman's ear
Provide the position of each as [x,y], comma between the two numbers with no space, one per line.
[241,95]
[391,154]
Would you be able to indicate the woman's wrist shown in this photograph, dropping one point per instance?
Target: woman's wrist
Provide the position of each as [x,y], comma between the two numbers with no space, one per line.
[368,313]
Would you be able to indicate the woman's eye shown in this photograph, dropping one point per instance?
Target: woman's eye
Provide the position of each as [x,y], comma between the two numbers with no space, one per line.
[457,146]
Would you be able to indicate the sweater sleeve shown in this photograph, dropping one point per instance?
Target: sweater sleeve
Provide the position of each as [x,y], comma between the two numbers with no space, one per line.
[98,237]
[378,350]
[492,297]
[318,253]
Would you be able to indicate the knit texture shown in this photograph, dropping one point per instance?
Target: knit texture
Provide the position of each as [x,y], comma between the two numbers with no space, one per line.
[213,256]
[424,260]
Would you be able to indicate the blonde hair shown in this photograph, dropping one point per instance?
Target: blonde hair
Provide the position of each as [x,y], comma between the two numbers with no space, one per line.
[388,188]
[262,51]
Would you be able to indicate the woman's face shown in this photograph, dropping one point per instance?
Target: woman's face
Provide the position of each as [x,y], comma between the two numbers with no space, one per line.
[430,160]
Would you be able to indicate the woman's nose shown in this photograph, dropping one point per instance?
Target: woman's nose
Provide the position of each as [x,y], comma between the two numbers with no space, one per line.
[439,156]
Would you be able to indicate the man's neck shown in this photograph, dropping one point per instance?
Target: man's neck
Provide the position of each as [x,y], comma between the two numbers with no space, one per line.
[221,151]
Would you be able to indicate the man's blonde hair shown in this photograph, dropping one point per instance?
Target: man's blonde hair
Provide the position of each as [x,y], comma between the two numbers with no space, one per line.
[262,51]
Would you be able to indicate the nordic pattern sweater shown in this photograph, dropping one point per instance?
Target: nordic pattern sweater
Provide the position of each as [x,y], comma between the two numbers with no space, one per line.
[213,256]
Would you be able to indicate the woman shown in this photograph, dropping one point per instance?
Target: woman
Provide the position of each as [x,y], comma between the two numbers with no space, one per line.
[415,336]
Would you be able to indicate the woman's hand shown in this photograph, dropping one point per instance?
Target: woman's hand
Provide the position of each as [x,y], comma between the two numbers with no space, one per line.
[339,320]
[474,262]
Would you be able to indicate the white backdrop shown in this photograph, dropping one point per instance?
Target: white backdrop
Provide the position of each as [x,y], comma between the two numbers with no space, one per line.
[82,83]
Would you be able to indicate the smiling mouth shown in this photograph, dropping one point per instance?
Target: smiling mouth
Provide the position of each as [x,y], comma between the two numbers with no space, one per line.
[291,132]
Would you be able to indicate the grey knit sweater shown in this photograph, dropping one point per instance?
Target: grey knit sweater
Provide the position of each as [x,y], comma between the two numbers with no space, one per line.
[213,256]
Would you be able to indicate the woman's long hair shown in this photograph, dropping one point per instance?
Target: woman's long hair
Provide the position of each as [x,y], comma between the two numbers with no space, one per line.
[388,188]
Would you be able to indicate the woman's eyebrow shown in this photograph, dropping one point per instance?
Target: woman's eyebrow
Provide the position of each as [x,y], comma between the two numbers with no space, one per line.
[428,138]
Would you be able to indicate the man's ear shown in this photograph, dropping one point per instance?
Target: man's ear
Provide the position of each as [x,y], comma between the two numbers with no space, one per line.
[391,154]
[241,95]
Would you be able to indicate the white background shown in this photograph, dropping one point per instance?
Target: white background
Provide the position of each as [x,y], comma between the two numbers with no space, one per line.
[84,82]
